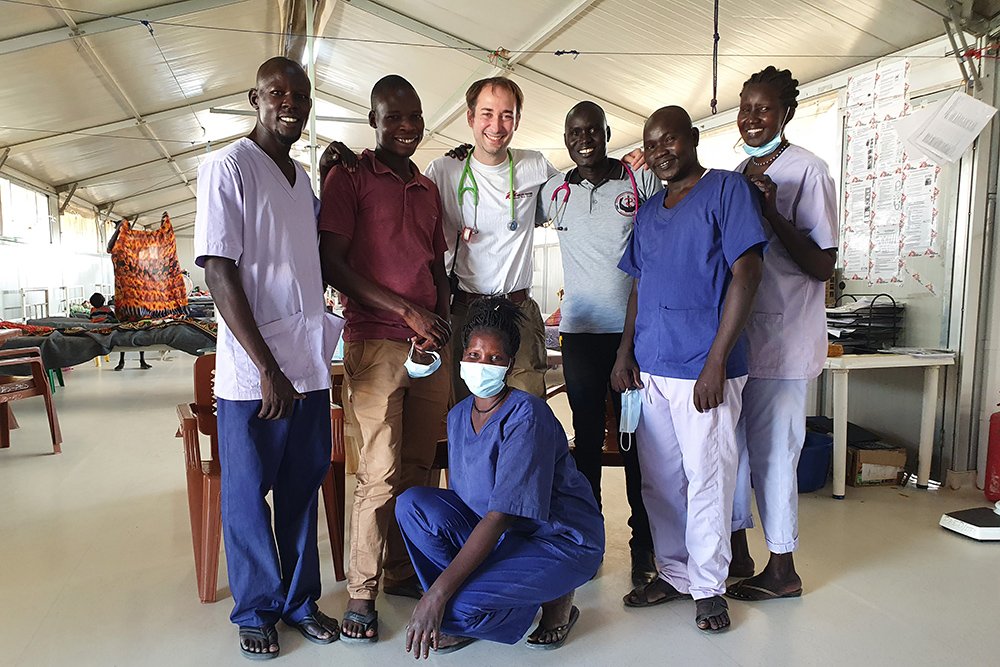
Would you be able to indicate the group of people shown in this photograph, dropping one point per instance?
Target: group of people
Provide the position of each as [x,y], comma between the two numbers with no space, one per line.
[699,302]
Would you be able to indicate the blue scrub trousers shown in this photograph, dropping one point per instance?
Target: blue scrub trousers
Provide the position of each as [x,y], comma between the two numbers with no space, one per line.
[499,600]
[273,573]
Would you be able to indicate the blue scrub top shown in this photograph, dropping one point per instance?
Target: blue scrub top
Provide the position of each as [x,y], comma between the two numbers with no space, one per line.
[520,464]
[682,257]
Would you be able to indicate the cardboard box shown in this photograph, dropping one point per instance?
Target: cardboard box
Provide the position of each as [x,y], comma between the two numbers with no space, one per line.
[875,467]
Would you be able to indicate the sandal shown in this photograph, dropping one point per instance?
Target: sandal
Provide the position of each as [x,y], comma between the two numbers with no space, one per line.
[639,597]
[710,608]
[457,646]
[367,622]
[266,633]
[574,615]
[319,619]
[750,593]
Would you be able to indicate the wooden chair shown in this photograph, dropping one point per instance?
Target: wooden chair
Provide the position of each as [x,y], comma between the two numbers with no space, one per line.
[204,482]
[204,477]
[334,500]
[15,388]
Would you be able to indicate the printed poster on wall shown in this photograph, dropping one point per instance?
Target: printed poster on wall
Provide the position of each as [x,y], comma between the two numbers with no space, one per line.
[919,209]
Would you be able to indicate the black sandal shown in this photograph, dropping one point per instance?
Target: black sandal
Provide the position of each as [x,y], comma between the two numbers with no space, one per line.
[532,642]
[320,619]
[710,608]
[639,597]
[266,633]
[366,621]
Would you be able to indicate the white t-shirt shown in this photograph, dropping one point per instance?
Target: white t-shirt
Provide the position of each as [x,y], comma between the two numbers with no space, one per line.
[248,212]
[787,328]
[496,260]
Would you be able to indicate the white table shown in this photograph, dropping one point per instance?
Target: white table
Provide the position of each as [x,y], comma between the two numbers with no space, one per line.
[841,367]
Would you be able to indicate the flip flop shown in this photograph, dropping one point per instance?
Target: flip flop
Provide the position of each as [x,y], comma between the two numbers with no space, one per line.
[574,616]
[751,593]
[318,618]
[264,632]
[712,607]
[457,646]
[632,599]
[366,621]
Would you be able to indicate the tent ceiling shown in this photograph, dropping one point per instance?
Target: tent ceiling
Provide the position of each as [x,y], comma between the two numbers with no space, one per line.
[102,108]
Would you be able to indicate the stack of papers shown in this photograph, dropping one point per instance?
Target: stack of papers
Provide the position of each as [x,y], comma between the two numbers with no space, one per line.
[866,325]
[927,352]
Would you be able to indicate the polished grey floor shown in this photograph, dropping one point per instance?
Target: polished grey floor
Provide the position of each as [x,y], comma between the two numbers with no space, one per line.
[96,565]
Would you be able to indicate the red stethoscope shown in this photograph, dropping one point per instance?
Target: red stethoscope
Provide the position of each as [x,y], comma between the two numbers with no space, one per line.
[557,209]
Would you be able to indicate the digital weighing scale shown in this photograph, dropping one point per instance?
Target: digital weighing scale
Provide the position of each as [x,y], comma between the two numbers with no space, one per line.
[979,523]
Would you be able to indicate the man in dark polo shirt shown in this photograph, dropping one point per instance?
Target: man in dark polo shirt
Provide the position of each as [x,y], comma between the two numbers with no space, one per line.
[382,248]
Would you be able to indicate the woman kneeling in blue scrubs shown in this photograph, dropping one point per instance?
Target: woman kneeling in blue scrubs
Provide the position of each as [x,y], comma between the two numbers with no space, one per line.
[519,528]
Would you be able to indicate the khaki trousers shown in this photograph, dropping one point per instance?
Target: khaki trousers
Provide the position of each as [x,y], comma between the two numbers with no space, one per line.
[530,363]
[399,420]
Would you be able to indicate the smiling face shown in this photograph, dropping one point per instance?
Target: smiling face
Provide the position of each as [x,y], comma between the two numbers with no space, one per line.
[670,144]
[486,347]
[398,120]
[761,114]
[586,135]
[282,101]
[493,121]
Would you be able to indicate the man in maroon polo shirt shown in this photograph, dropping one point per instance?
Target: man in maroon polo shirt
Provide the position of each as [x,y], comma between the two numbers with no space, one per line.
[382,247]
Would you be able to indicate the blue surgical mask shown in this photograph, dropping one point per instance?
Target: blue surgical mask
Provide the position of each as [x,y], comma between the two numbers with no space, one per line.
[484,380]
[415,370]
[631,409]
[761,151]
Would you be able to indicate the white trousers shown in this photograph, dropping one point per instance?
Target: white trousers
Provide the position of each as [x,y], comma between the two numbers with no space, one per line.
[688,461]
[774,424]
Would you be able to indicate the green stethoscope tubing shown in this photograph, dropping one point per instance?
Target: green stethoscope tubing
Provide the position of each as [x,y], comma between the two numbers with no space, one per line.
[467,183]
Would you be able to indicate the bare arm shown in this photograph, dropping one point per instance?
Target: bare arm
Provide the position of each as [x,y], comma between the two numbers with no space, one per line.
[708,390]
[432,329]
[625,374]
[813,260]
[223,279]
[425,623]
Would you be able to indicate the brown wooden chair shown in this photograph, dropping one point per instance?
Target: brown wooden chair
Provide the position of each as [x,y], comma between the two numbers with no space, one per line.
[15,388]
[334,500]
[204,482]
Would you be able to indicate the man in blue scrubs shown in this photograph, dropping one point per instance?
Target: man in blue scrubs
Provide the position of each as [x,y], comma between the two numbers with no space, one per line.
[695,255]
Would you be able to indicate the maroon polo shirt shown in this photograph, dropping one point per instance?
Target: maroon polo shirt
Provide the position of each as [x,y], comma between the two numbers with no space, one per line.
[396,237]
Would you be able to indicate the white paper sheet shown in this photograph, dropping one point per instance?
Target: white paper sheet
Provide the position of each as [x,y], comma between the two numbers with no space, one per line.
[859,204]
[919,210]
[860,150]
[888,148]
[945,131]
[861,98]
[885,252]
[887,197]
[890,90]
[855,253]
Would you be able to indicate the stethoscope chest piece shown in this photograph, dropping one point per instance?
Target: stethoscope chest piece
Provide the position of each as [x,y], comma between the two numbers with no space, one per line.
[512,225]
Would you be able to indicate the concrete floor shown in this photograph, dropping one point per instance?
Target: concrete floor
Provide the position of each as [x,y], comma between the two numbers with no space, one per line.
[96,565]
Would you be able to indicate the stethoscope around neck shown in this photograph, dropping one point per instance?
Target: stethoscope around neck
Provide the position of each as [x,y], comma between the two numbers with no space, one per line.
[467,183]
[554,216]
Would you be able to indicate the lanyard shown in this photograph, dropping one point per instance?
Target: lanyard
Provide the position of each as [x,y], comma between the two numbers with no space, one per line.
[557,209]
[467,183]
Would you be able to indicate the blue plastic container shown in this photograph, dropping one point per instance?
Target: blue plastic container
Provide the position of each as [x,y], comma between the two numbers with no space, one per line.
[814,463]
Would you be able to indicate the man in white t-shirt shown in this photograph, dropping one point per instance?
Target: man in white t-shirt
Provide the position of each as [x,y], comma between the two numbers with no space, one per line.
[491,205]
[256,236]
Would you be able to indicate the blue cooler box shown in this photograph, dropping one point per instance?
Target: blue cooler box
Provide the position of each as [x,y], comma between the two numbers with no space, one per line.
[814,463]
